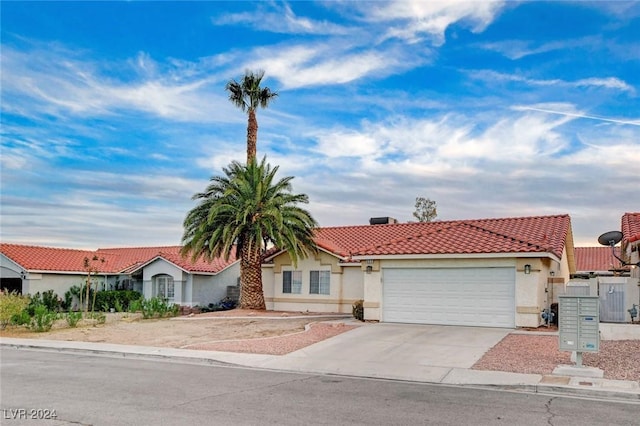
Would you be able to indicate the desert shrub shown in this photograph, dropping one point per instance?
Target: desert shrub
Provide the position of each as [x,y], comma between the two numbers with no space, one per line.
[23,318]
[158,307]
[99,317]
[119,300]
[117,305]
[73,318]
[67,301]
[42,319]
[48,299]
[358,310]
[51,301]
[135,306]
[11,305]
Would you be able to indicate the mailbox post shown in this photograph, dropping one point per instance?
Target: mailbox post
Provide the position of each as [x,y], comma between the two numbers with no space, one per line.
[579,324]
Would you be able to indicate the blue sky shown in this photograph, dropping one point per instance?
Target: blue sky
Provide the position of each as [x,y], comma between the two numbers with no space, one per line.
[114,113]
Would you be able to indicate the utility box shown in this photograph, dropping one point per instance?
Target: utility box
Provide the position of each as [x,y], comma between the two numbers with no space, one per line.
[579,323]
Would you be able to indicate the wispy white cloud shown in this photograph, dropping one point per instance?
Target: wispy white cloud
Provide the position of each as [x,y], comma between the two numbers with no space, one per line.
[279,17]
[518,49]
[612,83]
[415,20]
[573,113]
[303,67]
[51,80]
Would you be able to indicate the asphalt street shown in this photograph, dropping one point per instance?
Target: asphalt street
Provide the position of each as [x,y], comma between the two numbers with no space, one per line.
[98,390]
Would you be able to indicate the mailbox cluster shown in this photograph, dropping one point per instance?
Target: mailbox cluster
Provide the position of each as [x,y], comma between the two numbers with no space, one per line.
[579,320]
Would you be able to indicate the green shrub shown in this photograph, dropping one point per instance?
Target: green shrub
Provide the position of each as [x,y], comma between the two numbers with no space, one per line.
[51,301]
[42,319]
[117,305]
[11,305]
[119,300]
[100,317]
[73,318]
[158,307]
[23,318]
[48,299]
[135,306]
[68,300]
[358,310]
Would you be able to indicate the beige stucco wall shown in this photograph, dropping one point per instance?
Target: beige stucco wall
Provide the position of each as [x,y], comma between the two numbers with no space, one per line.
[530,289]
[345,285]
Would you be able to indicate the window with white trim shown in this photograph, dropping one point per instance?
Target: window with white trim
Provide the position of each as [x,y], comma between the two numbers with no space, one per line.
[164,287]
[292,282]
[320,282]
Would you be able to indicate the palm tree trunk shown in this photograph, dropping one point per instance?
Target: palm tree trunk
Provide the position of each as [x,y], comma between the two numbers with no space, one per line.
[252,136]
[251,294]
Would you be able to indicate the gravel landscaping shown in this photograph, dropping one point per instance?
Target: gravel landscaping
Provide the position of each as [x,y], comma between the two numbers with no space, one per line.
[279,333]
[536,354]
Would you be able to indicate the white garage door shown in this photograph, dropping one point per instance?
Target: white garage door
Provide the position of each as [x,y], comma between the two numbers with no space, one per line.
[466,296]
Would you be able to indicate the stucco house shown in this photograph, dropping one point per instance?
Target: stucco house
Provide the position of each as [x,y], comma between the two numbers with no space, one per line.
[599,271]
[485,272]
[631,241]
[153,271]
[597,261]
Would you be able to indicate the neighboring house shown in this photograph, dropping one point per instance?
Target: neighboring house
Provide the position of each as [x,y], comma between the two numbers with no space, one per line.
[597,261]
[153,271]
[487,272]
[631,241]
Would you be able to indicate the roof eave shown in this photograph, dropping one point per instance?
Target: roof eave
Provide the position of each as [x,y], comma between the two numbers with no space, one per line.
[458,256]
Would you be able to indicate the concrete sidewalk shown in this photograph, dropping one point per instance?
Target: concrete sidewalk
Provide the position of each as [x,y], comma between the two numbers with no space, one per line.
[307,361]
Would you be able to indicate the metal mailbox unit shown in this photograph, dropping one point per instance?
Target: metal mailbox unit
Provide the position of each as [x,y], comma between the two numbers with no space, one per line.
[579,324]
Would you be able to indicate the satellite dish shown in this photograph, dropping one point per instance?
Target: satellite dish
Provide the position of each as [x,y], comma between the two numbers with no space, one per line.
[610,238]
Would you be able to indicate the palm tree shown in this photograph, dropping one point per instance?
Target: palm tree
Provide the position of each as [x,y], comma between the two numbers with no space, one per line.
[248,96]
[243,213]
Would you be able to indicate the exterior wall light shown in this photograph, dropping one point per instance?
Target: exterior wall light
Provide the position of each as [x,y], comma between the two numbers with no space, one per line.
[369,269]
[527,269]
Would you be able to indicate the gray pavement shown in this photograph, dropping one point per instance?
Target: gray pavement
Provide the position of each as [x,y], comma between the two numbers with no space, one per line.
[420,353]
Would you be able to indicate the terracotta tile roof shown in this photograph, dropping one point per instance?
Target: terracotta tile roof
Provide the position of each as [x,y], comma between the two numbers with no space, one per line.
[631,227]
[49,258]
[116,260]
[200,265]
[539,234]
[592,259]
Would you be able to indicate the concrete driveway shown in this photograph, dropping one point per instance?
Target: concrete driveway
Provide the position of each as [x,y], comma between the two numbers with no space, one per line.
[402,351]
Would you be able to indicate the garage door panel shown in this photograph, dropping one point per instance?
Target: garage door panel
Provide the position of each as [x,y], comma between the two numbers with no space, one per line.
[466,296]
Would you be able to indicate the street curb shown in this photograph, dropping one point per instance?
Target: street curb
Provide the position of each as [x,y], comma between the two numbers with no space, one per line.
[541,389]
[120,354]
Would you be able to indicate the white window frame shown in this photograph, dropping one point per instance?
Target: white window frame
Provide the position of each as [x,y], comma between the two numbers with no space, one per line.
[323,285]
[295,282]
[164,287]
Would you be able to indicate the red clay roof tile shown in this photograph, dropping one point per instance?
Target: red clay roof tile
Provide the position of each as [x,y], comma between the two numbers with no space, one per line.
[116,260]
[592,259]
[539,234]
[631,227]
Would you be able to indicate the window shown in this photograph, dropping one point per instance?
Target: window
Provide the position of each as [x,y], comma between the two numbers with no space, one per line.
[319,283]
[292,282]
[164,287]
